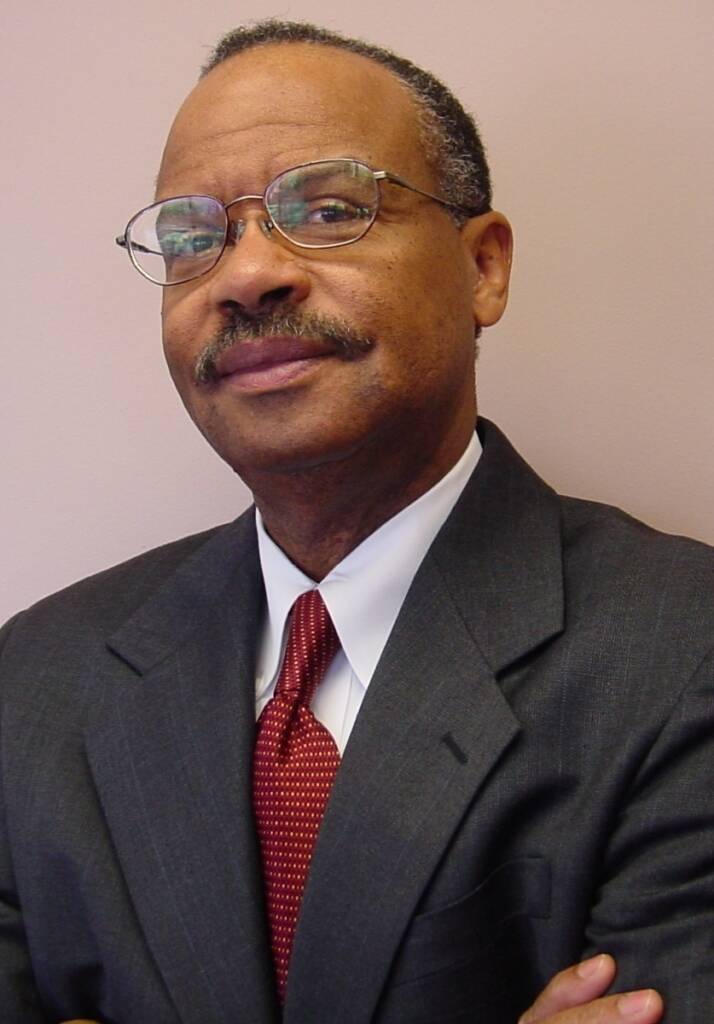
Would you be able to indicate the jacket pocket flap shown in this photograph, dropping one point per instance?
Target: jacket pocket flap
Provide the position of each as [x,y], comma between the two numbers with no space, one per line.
[444,936]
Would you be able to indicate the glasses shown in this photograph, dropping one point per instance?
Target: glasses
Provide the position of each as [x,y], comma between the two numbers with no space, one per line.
[318,205]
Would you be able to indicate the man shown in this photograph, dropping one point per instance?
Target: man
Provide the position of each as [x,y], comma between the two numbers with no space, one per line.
[514,720]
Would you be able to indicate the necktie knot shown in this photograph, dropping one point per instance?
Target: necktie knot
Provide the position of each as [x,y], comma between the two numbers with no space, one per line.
[312,644]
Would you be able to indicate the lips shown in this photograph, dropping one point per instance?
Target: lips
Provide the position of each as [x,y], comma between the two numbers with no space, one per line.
[269,362]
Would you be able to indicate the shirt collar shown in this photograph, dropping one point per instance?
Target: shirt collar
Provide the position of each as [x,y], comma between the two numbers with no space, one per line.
[366,590]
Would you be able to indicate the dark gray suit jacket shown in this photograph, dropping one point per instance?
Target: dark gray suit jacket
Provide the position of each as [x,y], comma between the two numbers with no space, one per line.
[528,781]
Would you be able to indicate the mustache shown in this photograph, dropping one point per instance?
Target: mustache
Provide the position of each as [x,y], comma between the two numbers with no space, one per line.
[343,339]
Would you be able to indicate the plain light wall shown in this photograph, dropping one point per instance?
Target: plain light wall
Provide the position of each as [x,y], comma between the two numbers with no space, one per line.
[598,121]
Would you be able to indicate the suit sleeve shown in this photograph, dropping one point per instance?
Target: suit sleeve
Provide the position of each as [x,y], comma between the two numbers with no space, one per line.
[654,907]
[19,999]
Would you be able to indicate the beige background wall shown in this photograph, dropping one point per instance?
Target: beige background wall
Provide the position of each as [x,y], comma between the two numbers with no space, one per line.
[598,118]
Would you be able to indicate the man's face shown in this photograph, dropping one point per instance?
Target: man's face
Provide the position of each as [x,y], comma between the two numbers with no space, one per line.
[406,290]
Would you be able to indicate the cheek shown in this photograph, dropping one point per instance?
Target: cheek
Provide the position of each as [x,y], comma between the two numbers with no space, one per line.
[182,327]
[425,296]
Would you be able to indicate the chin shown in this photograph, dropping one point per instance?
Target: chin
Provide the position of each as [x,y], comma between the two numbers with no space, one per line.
[284,439]
[283,457]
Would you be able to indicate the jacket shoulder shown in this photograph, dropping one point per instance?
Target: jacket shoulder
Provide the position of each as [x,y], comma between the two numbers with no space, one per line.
[607,528]
[107,598]
[639,575]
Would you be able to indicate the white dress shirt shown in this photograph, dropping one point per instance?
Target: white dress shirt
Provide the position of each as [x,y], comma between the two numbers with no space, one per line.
[363,595]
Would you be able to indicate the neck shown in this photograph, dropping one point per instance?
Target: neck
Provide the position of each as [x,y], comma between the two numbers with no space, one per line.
[319,514]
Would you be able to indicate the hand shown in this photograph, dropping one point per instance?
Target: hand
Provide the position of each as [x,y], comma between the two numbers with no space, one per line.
[573,997]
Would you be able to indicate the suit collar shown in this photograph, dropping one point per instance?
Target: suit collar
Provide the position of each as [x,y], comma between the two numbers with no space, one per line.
[224,568]
[500,554]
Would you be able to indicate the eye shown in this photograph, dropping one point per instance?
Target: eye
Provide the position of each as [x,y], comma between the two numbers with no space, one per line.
[186,244]
[333,211]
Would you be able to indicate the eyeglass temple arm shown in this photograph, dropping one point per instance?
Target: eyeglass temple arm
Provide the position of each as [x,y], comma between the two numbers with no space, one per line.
[396,180]
[121,240]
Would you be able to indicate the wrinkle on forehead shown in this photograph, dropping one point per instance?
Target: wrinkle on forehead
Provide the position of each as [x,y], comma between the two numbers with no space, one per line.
[262,125]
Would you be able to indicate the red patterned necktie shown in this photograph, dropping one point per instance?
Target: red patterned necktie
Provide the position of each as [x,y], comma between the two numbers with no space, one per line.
[294,765]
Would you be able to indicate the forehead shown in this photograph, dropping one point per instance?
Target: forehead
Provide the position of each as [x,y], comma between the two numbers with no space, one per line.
[284,104]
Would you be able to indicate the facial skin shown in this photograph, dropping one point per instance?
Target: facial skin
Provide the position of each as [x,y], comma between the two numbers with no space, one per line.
[353,438]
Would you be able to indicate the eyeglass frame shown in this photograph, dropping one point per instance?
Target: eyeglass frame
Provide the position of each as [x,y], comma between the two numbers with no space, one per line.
[269,224]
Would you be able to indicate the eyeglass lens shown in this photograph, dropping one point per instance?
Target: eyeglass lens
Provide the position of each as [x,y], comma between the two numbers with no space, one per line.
[318,205]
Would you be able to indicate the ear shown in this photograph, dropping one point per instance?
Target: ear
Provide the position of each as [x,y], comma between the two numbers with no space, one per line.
[490,243]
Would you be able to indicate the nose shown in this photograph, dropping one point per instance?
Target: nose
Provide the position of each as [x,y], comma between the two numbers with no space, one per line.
[257,271]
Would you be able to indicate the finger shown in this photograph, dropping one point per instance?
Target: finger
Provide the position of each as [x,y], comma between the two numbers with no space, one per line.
[572,987]
[642,1007]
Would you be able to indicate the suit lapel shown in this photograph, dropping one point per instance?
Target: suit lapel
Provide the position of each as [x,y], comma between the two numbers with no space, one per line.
[170,751]
[433,725]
